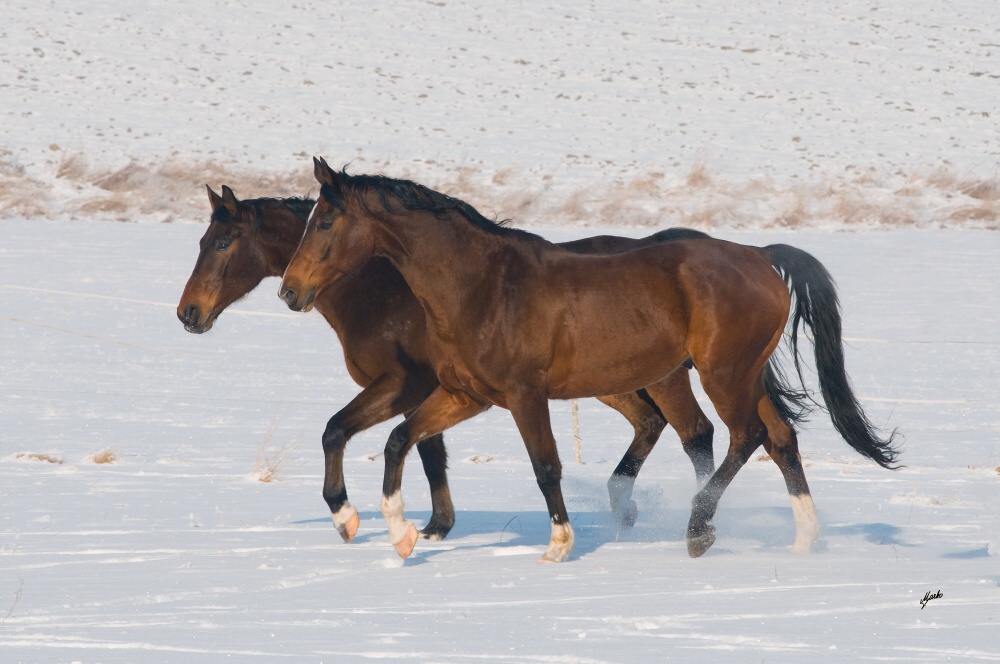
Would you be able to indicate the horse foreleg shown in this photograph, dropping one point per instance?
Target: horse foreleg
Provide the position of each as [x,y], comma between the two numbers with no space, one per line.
[375,404]
[441,410]
[531,415]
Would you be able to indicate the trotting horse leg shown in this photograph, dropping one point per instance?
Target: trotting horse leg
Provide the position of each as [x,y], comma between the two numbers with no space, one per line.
[783,446]
[736,405]
[386,397]
[441,410]
[434,458]
[531,415]
[648,423]
[676,401]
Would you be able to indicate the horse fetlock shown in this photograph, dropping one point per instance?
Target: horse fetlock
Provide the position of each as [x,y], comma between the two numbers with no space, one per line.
[437,528]
[623,507]
[806,523]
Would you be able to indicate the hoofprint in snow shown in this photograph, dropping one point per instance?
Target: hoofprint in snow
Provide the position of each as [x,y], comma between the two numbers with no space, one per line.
[175,552]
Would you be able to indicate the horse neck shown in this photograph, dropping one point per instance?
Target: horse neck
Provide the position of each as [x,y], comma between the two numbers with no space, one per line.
[438,257]
[278,237]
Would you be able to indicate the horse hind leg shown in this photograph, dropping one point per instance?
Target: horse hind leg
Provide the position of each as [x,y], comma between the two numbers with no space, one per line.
[783,447]
[735,404]
[648,423]
[676,402]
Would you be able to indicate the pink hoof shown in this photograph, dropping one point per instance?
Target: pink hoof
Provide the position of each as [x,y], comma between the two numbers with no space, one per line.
[404,547]
[349,528]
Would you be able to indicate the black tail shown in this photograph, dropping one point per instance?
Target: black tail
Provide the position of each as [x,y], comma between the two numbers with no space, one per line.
[817,306]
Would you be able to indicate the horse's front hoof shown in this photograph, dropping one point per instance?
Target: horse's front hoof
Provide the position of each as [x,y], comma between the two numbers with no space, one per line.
[349,528]
[404,547]
[700,540]
[435,532]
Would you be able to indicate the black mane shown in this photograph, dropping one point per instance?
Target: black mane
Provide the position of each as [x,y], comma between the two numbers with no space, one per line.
[413,197]
[300,207]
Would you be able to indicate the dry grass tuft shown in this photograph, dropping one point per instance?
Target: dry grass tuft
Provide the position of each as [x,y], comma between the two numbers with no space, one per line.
[104,456]
[987,210]
[39,457]
[271,462]
[699,178]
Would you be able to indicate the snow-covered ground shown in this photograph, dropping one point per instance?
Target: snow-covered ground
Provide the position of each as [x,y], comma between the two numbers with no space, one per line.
[724,113]
[175,552]
[762,122]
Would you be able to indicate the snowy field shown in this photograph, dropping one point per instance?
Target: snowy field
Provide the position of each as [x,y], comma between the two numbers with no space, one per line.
[175,552]
[134,525]
[715,114]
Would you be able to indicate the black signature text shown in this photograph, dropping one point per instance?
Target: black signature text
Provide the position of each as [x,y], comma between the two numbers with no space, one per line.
[928,596]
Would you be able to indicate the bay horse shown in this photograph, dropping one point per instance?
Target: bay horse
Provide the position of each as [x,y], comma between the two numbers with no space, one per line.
[381,328]
[514,320]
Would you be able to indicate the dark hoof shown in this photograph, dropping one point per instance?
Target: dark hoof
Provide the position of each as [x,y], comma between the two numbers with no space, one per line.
[700,540]
[435,531]
[627,518]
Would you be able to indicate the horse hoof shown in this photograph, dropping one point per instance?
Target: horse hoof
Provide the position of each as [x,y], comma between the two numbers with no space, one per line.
[628,516]
[404,547]
[349,528]
[700,541]
[435,532]
[553,558]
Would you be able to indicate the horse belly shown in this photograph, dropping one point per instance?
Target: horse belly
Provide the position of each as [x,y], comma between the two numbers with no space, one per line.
[618,354]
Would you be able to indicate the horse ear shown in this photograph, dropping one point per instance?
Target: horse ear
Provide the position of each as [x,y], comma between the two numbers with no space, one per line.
[323,172]
[213,199]
[229,199]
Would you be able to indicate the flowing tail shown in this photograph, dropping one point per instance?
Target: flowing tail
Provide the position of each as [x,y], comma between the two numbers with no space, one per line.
[817,305]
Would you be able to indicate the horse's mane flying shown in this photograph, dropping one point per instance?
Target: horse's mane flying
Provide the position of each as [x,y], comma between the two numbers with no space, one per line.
[413,197]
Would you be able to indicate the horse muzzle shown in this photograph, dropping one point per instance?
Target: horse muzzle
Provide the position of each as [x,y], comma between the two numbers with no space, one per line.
[296,302]
[190,316]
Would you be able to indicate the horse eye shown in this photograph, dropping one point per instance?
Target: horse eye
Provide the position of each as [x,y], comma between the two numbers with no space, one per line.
[325,225]
[222,245]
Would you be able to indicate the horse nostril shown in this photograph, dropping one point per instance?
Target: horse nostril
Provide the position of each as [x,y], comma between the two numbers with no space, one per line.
[289,296]
[191,315]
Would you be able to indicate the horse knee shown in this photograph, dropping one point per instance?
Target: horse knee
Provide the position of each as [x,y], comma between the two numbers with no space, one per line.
[334,437]
[396,446]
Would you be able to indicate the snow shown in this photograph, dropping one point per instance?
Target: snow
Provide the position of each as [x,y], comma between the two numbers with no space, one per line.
[862,113]
[173,552]
[762,122]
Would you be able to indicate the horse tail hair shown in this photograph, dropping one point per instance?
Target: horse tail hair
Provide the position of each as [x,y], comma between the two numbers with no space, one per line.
[793,405]
[817,306]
